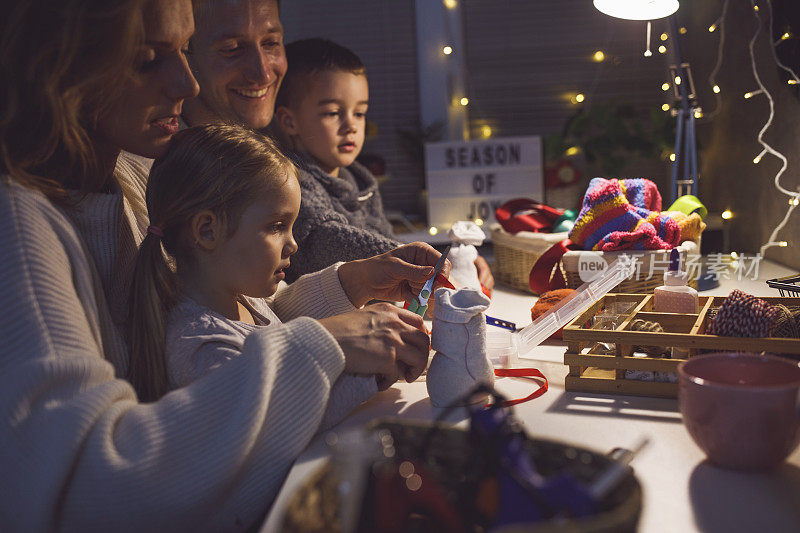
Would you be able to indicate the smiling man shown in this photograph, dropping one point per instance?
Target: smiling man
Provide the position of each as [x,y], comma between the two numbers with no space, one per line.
[238,58]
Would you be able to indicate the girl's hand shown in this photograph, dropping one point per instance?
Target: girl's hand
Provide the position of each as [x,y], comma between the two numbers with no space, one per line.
[484,273]
[383,340]
[394,276]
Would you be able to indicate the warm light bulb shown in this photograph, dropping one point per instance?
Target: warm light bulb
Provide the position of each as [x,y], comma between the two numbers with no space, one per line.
[734,255]
[682,30]
[662,49]
[572,150]
[783,244]
[757,160]
[794,201]
[785,36]
[599,56]
[677,80]
[792,82]
[647,53]
[664,36]
[748,95]
[479,221]
[672,157]
[665,86]
[486,132]
[464,101]
[712,27]
[755,8]
[433,230]
[698,113]
[579,98]
[665,107]
[450,4]
[727,214]
[715,88]
[447,50]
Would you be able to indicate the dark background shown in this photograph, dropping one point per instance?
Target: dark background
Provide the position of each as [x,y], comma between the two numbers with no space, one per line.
[525,60]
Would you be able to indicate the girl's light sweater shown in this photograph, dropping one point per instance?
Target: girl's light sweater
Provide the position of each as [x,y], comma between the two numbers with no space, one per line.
[200,340]
[78,450]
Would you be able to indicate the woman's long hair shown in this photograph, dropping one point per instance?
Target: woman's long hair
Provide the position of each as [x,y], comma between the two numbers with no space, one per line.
[61,63]
[217,167]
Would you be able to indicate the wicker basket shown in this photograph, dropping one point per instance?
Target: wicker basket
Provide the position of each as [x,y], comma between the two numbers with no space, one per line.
[515,255]
[650,272]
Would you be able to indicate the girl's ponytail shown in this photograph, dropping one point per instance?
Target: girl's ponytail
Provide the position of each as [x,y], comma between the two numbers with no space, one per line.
[215,167]
[153,293]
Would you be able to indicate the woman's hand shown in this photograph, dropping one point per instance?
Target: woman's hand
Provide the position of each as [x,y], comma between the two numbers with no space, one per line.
[381,339]
[484,273]
[394,276]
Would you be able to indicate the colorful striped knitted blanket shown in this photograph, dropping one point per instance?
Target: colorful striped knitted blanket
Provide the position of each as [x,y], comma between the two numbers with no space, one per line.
[624,214]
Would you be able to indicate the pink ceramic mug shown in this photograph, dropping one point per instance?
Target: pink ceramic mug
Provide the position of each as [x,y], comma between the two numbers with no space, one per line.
[740,408]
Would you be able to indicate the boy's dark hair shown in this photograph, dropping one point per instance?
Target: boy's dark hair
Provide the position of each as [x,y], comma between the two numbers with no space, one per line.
[309,56]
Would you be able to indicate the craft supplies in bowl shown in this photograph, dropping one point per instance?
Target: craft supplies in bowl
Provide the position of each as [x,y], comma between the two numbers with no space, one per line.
[741,408]
[435,477]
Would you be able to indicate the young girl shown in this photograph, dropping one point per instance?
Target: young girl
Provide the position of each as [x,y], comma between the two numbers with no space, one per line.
[221,203]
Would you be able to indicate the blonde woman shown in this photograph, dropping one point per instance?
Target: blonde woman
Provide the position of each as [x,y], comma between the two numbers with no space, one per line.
[83,80]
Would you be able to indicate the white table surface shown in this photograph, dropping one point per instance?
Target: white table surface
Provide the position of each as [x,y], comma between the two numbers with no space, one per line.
[681,491]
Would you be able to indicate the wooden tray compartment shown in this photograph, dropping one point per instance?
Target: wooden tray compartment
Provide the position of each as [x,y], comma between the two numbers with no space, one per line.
[592,370]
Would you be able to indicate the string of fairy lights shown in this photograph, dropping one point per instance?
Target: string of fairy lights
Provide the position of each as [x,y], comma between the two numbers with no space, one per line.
[718,27]
[793,196]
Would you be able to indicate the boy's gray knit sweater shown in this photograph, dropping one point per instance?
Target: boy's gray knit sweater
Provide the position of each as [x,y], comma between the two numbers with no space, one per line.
[341,218]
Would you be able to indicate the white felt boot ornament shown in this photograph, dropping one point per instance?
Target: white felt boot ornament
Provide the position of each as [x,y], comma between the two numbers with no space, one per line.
[459,338]
[465,236]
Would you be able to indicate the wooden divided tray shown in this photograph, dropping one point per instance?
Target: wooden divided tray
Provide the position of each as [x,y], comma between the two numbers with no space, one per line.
[600,344]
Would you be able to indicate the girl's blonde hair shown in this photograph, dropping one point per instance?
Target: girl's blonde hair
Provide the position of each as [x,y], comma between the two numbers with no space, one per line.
[62,64]
[217,167]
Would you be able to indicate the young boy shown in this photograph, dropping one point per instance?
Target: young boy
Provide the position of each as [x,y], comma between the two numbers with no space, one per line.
[321,118]
[321,112]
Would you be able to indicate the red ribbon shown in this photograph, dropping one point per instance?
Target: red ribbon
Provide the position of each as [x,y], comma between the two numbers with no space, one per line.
[522,373]
[522,214]
[546,272]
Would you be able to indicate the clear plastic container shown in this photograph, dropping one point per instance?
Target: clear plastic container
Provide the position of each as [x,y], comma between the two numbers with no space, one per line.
[507,349]
[501,347]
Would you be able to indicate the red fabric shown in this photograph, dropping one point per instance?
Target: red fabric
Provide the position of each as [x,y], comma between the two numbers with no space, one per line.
[522,214]
[546,272]
[523,373]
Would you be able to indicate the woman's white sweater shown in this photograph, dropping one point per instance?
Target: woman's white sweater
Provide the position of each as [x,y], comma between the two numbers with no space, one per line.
[78,450]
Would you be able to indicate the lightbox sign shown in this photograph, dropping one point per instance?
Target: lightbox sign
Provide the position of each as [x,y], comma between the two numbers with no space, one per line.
[468,180]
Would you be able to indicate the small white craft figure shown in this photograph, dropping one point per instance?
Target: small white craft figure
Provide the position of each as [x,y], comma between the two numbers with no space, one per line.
[459,338]
[465,236]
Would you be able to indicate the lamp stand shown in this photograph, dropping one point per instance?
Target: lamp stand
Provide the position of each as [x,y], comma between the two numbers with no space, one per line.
[684,168]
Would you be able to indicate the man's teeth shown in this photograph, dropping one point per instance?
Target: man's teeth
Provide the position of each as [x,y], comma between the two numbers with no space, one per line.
[251,94]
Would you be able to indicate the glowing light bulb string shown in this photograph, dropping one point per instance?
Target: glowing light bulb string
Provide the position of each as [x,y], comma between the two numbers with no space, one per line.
[712,78]
[600,65]
[774,53]
[784,163]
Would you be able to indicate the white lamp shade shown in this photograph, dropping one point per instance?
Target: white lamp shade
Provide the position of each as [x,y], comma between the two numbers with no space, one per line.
[637,9]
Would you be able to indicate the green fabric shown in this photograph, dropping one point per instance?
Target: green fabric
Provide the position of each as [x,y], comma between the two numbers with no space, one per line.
[689,204]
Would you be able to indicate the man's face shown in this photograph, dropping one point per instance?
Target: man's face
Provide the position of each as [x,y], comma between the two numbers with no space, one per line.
[238,58]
